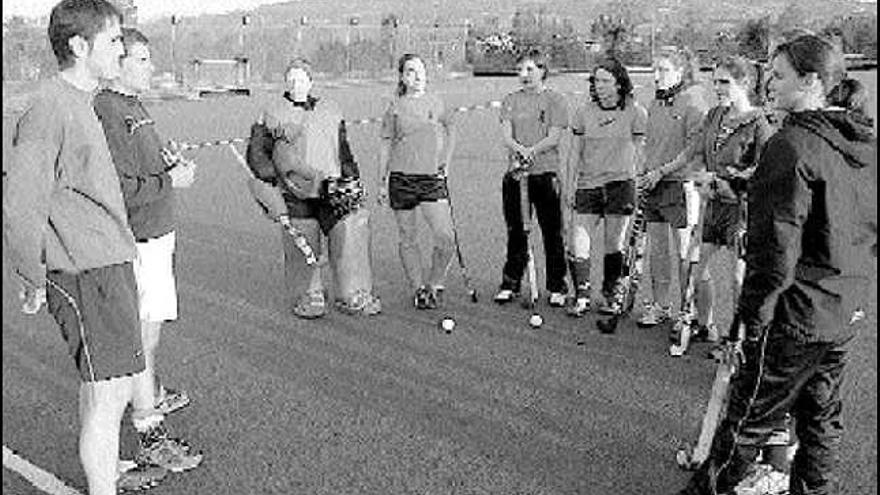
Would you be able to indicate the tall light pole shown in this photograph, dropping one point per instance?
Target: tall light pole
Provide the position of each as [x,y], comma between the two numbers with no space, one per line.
[245,20]
[654,28]
[175,20]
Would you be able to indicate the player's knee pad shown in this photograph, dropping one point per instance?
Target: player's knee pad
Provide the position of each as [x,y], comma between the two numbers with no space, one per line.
[580,242]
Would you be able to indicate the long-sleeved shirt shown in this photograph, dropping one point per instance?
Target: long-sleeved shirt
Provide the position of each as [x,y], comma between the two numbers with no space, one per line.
[136,150]
[62,207]
[812,223]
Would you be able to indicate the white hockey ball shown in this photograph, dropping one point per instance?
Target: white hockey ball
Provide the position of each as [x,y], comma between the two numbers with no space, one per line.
[447,324]
[536,321]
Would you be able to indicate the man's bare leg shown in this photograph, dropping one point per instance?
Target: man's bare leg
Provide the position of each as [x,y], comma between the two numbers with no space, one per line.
[101,406]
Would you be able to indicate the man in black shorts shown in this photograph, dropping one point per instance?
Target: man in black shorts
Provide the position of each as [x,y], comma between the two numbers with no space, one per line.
[67,233]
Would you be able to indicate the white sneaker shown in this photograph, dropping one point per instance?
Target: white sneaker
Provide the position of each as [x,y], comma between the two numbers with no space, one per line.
[504,296]
[580,307]
[764,481]
[653,314]
[556,299]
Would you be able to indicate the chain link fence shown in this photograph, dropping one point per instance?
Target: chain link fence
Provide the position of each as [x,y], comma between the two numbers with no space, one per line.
[335,50]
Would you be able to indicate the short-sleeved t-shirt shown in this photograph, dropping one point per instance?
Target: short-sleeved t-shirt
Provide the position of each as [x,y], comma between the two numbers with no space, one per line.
[673,124]
[609,138]
[532,114]
[417,130]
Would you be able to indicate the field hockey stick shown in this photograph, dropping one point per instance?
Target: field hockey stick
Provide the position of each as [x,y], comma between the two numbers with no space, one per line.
[727,363]
[299,239]
[526,213]
[683,326]
[468,284]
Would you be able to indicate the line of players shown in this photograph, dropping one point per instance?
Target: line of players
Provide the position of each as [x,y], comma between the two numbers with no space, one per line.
[98,291]
[690,160]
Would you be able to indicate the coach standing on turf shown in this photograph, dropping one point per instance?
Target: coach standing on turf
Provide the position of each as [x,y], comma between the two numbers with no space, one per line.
[148,180]
[66,229]
[532,120]
[812,223]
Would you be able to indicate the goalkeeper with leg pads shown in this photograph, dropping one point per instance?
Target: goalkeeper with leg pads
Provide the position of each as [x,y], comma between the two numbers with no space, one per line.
[304,169]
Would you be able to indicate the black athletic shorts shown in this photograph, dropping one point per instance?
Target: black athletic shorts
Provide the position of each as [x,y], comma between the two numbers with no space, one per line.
[666,203]
[97,311]
[722,223]
[406,191]
[614,198]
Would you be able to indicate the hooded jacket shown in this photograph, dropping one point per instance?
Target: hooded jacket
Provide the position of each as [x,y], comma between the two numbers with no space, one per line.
[812,226]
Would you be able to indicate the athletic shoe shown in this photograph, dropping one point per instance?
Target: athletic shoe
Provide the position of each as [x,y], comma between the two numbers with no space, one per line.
[653,314]
[170,400]
[610,307]
[683,318]
[311,305]
[431,301]
[763,481]
[580,307]
[438,292]
[505,296]
[173,454]
[556,300]
[705,333]
[422,297]
[134,477]
[361,303]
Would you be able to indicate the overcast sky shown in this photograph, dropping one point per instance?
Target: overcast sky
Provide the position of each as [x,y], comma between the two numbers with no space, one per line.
[147,9]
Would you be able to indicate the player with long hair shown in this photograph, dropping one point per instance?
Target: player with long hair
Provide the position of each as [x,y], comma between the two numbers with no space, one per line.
[418,140]
[606,155]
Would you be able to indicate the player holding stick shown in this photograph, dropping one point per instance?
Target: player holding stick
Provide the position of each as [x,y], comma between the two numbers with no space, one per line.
[299,146]
[727,147]
[674,116]
[418,141]
[606,155]
[811,227]
[532,120]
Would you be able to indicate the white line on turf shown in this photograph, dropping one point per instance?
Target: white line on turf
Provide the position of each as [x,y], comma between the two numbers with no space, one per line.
[41,479]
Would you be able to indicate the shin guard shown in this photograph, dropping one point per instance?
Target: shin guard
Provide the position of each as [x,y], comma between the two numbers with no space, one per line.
[613,271]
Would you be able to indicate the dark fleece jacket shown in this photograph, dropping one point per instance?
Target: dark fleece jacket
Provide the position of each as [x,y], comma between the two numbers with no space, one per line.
[812,225]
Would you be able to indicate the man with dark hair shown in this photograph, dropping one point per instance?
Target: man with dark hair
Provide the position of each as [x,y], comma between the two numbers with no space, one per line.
[148,174]
[67,233]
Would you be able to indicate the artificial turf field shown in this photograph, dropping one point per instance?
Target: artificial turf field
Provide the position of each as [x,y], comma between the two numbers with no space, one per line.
[390,404]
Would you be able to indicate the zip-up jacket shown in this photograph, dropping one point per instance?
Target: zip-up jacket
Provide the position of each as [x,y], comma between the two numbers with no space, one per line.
[812,225]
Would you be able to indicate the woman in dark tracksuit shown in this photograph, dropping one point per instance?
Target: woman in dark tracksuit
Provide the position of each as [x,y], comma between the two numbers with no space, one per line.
[812,226]
[532,120]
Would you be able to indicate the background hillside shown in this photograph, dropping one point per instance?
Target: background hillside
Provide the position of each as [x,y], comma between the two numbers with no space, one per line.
[444,31]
